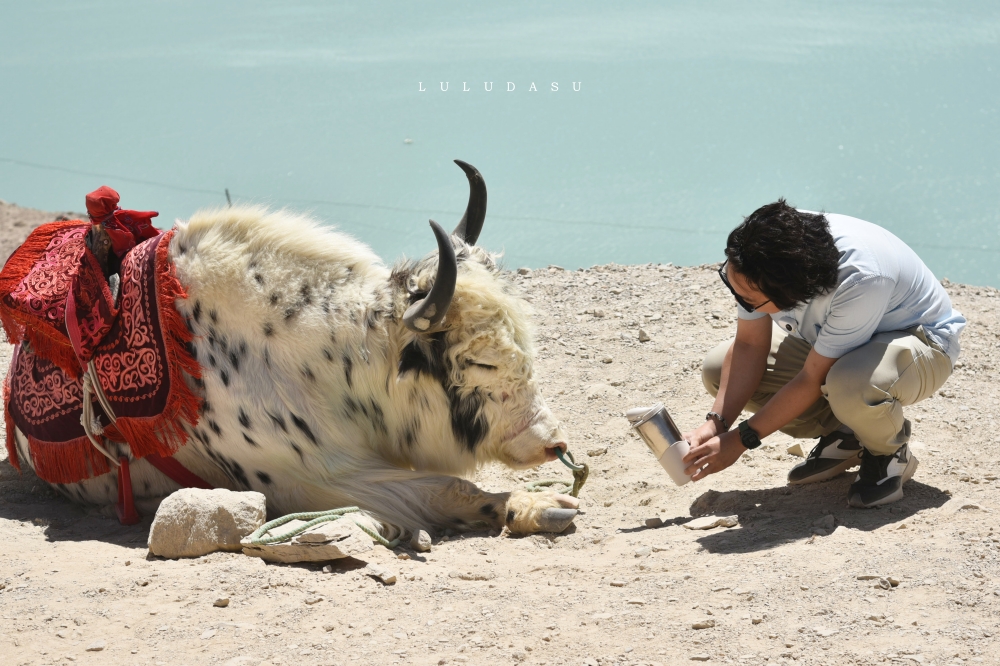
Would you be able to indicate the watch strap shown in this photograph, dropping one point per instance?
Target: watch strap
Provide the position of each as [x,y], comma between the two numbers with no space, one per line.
[748,435]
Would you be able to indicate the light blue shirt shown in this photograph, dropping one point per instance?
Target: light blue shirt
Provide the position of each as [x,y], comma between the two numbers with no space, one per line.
[882,285]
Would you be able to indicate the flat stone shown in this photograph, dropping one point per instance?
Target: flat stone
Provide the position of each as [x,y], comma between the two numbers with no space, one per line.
[311,601]
[796,450]
[593,453]
[644,336]
[700,657]
[617,583]
[208,633]
[96,646]
[472,575]
[868,577]
[710,522]
[703,624]
[643,551]
[332,540]
[221,602]
[380,574]
[607,359]
[192,522]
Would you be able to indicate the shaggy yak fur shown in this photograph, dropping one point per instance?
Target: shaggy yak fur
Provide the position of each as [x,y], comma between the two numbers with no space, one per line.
[318,396]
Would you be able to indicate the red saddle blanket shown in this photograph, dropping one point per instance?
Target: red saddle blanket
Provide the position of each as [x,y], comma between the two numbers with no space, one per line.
[140,351]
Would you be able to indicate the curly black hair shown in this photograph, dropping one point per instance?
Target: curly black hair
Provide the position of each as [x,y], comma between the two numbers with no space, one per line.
[786,254]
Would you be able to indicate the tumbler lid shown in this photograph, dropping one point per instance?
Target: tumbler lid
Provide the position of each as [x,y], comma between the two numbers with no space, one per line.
[639,415]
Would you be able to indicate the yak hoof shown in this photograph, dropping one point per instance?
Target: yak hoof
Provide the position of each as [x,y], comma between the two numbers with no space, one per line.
[421,541]
[556,520]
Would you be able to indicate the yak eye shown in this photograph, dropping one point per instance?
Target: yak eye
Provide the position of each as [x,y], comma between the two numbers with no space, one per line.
[484,366]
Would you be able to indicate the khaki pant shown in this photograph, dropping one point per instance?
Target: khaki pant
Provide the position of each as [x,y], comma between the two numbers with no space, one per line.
[865,389]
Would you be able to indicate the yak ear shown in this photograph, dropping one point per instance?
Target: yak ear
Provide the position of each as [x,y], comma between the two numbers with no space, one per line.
[471,224]
[430,310]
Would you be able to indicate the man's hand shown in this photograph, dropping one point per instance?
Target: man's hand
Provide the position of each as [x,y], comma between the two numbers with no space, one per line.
[713,455]
[706,431]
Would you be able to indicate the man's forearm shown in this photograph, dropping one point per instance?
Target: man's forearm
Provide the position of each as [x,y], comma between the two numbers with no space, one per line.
[794,398]
[741,374]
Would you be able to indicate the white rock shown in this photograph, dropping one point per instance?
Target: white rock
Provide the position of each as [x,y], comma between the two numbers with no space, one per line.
[221,602]
[193,522]
[796,450]
[421,541]
[709,522]
[332,540]
[96,646]
[381,574]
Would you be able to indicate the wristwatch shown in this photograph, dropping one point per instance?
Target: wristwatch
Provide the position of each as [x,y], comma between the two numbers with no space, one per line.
[749,436]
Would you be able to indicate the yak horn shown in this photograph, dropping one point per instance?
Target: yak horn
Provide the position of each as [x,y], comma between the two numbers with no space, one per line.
[431,309]
[475,212]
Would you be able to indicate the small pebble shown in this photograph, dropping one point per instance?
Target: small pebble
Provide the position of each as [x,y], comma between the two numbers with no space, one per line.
[380,574]
[96,646]
[208,633]
[654,522]
[617,583]
[700,657]
[643,551]
[703,624]
[221,602]
[644,336]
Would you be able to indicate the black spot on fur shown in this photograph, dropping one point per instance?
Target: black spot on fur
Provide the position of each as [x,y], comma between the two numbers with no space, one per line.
[306,294]
[290,312]
[264,477]
[297,450]
[214,316]
[145,486]
[196,313]
[215,427]
[259,278]
[489,511]
[409,438]
[234,360]
[304,427]
[224,376]
[249,440]
[328,354]
[275,297]
[307,371]
[279,421]
[510,515]
[467,420]
[425,357]
[206,407]
[239,474]
[348,366]
[211,360]
[268,330]
[377,417]
[244,419]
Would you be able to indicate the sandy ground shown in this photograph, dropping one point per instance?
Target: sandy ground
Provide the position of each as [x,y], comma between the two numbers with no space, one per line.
[609,591]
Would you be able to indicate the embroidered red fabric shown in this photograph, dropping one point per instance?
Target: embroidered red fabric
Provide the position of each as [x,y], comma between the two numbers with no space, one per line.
[125,227]
[142,363]
[35,285]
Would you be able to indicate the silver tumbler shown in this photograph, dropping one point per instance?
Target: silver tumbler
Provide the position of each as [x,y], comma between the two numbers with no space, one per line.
[663,438]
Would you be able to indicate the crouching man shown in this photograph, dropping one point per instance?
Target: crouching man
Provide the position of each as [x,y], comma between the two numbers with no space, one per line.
[858,328]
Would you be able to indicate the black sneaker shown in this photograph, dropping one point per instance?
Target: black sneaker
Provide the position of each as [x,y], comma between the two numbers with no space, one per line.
[881,478]
[833,454]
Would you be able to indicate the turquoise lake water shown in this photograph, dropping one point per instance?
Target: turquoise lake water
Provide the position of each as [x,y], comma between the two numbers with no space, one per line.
[688,116]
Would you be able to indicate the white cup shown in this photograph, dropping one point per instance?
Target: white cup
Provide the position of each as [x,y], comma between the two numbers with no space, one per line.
[672,460]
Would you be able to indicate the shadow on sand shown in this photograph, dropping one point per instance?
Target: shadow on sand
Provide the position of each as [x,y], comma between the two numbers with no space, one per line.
[771,517]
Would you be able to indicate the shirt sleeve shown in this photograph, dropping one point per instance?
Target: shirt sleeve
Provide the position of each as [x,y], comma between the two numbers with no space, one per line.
[855,313]
[743,314]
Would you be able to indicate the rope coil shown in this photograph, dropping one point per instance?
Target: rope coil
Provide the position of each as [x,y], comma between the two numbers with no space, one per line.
[313,518]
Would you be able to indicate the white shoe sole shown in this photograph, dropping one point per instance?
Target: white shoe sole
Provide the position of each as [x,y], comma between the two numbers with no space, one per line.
[826,475]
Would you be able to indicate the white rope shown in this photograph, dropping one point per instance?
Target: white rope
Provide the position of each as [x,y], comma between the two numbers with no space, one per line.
[91,424]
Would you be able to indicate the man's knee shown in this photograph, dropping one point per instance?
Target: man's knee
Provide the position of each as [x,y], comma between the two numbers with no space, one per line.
[711,368]
[849,387]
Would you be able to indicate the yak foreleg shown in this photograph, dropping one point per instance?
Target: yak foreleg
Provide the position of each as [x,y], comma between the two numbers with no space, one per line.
[406,501]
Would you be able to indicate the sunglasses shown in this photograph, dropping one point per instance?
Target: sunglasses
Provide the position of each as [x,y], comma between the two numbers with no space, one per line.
[739,299]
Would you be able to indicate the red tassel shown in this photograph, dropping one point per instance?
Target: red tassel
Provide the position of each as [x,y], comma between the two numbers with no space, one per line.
[9,424]
[66,462]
